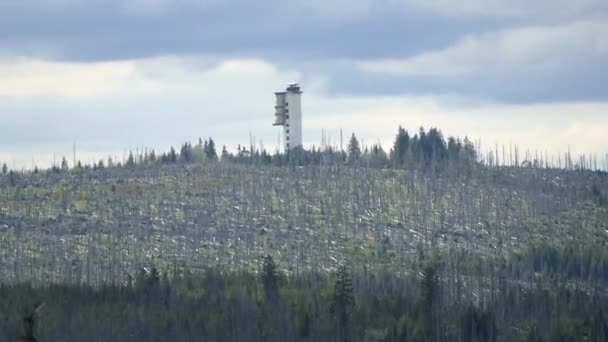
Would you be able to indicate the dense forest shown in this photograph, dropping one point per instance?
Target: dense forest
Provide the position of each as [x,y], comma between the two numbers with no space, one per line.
[212,305]
[428,241]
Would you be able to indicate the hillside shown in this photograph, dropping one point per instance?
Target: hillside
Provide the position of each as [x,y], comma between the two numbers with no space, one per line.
[99,226]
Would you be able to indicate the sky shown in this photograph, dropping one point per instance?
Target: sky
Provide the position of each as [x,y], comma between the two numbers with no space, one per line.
[115,75]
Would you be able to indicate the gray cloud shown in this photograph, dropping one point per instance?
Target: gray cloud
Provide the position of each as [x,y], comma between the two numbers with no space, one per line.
[519,49]
[319,36]
[417,40]
[525,64]
[100,30]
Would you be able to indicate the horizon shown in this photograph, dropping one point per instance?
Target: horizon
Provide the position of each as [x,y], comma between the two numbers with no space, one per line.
[493,156]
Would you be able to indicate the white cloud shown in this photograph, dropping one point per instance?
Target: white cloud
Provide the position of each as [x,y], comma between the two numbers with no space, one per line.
[520,49]
[30,77]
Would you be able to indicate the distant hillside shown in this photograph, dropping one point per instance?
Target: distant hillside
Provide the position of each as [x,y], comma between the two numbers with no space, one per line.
[99,226]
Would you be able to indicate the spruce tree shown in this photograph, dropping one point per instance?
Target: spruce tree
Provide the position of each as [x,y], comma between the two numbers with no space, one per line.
[343,302]
[172,157]
[429,298]
[354,150]
[130,160]
[210,149]
[152,156]
[225,154]
[270,278]
[185,153]
[401,147]
[64,164]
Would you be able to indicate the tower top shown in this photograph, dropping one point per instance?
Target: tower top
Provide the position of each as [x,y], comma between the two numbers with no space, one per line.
[294,87]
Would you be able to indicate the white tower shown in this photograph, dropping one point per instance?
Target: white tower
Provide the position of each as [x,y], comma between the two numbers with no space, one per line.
[288,113]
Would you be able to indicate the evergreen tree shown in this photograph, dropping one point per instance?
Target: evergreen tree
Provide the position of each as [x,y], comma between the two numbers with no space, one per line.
[453,149]
[377,157]
[401,147]
[240,152]
[436,145]
[186,155]
[343,302]
[210,149]
[140,279]
[64,164]
[270,278]
[153,279]
[130,160]
[152,156]
[4,169]
[172,156]
[225,154]
[469,150]
[354,150]
[429,298]
[12,178]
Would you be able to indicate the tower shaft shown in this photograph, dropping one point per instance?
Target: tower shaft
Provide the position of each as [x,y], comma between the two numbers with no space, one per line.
[288,113]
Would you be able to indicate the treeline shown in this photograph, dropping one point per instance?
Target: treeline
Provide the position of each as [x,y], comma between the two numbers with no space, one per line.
[421,150]
[271,306]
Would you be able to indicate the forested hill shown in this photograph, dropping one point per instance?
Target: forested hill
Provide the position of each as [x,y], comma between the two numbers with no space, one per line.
[426,225]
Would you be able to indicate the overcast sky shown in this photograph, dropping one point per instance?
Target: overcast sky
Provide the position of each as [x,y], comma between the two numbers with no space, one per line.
[113,75]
